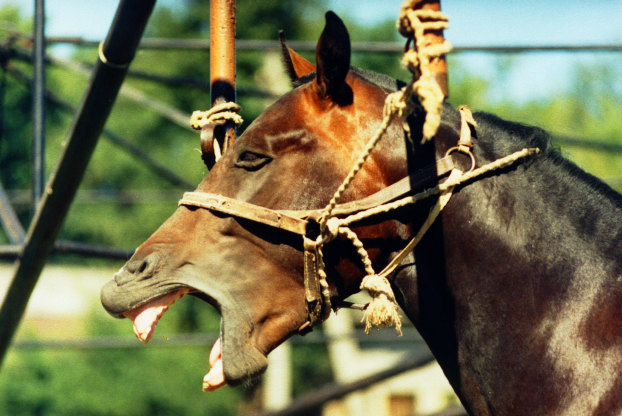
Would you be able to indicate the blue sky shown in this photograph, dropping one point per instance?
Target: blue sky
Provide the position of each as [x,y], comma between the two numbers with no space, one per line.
[483,22]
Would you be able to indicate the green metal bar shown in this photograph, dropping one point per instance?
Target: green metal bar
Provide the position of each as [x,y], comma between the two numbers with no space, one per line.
[38,106]
[116,54]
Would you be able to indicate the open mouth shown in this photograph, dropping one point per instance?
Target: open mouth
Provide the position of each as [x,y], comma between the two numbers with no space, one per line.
[241,361]
[146,317]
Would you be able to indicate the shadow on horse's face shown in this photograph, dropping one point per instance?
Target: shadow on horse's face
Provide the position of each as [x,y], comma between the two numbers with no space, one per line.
[294,156]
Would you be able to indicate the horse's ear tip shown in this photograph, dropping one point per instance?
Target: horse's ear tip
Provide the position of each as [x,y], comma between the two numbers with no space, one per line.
[332,18]
[331,15]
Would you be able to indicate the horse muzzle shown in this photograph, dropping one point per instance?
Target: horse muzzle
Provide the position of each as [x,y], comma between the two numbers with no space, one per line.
[140,292]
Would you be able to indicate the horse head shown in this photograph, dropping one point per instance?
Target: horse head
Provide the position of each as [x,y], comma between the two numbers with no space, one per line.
[292,157]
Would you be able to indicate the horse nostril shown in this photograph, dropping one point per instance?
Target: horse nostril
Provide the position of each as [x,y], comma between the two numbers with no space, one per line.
[137,269]
[136,266]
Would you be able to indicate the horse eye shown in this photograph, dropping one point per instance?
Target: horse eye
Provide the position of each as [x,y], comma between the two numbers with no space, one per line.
[251,160]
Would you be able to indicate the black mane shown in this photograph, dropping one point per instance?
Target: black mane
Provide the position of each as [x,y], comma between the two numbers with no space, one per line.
[498,138]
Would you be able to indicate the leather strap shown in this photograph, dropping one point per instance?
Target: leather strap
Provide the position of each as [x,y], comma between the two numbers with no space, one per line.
[296,221]
[313,291]
[403,187]
[241,209]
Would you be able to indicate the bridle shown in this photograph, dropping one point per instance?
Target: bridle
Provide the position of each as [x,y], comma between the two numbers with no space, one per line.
[299,222]
[408,190]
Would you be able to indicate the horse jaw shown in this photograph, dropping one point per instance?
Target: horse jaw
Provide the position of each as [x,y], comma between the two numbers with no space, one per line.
[239,360]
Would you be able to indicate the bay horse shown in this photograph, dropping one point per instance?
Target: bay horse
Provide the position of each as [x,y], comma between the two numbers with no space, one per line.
[516,287]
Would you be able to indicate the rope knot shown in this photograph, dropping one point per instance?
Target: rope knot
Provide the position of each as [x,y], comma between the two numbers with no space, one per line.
[382,310]
[332,228]
[218,114]
[206,121]
[413,23]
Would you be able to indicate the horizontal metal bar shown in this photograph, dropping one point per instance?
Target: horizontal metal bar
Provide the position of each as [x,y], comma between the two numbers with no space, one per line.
[73,247]
[333,391]
[599,145]
[21,197]
[379,47]
[384,336]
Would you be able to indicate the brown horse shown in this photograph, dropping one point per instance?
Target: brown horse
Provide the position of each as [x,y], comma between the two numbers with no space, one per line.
[516,287]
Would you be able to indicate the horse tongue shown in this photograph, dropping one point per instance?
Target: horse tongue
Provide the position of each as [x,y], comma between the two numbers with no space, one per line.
[215,378]
[146,317]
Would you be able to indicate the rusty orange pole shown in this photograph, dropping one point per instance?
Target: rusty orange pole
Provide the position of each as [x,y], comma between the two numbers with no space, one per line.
[222,64]
[438,66]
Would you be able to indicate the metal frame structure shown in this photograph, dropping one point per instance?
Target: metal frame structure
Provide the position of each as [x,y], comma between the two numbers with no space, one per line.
[116,53]
[51,202]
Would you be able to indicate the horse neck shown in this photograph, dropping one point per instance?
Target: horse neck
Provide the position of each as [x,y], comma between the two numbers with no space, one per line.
[508,279]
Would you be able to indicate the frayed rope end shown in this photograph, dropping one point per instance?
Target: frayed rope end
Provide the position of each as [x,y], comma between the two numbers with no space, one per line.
[383,309]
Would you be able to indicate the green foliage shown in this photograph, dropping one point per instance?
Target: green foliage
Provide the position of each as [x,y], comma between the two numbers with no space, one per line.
[586,112]
[139,381]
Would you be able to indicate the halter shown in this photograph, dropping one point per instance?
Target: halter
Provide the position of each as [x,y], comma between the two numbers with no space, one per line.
[336,221]
[298,221]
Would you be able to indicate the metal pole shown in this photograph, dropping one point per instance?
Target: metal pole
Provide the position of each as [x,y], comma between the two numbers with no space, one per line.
[435,37]
[73,247]
[8,219]
[38,105]
[222,50]
[222,72]
[115,56]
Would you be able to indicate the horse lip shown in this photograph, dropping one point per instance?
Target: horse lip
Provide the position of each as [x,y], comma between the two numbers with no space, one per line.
[242,361]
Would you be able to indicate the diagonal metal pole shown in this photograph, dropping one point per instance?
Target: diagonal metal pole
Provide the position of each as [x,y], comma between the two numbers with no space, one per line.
[8,219]
[116,53]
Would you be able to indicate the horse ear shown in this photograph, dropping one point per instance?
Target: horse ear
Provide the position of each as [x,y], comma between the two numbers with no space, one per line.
[296,65]
[332,56]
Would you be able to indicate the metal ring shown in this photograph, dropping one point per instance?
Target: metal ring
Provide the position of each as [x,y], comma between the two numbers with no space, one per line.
[468,152]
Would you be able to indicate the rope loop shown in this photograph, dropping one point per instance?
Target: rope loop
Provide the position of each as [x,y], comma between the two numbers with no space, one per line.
[332,229]
[218,114]
[205,121]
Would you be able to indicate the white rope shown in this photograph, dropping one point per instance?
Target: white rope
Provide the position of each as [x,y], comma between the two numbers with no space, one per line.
[412,23]
[218,114]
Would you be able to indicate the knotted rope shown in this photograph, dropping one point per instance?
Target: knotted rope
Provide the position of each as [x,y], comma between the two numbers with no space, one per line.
[412,23]
[218,114]
[382,310]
